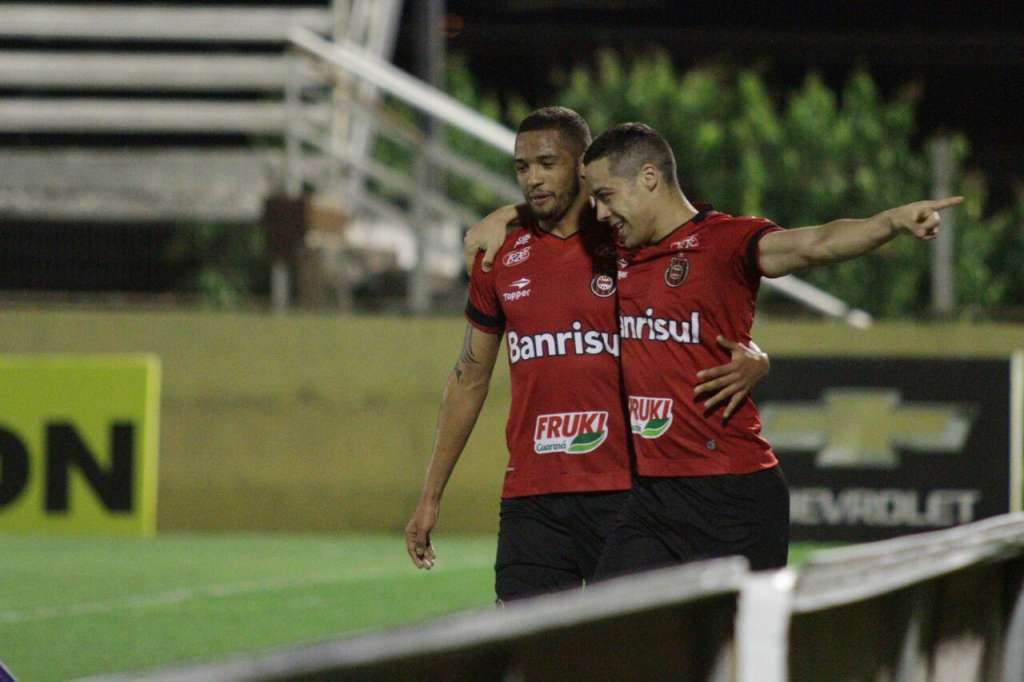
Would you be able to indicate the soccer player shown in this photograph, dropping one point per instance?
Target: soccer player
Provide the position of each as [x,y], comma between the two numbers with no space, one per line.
[706,486]
[552,293]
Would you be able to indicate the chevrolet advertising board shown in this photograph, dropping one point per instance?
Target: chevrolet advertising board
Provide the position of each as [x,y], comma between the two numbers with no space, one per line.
[873,448]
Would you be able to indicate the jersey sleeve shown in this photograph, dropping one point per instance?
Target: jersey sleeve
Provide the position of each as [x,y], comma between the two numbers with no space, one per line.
[483,309]
[745,236]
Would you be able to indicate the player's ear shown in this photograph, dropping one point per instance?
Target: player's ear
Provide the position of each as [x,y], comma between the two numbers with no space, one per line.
[650,178]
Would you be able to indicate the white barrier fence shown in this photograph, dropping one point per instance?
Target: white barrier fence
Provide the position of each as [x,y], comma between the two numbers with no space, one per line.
[946,606]
[670,624]
[940,606]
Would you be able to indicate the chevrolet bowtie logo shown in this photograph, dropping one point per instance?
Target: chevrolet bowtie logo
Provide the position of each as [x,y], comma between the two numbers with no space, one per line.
[864,427]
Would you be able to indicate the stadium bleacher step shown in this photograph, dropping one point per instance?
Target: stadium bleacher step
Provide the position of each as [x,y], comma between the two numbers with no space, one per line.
[106,22]
[142,71]
[139,116]
[111,185]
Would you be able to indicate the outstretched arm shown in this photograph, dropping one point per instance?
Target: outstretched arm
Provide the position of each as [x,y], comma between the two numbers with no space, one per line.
[787,251]
[488,235]
[734,380]
[464,395]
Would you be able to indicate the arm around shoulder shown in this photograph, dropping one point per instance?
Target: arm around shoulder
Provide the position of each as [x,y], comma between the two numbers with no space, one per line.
[488,235]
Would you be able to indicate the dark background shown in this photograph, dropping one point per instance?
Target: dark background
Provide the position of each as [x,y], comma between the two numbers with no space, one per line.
[966,60]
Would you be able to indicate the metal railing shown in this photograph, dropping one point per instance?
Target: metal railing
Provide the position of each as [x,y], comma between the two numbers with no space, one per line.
[405,190]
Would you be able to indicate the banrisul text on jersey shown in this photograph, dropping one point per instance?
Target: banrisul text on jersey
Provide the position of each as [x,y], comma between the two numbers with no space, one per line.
[554,301]
[577,341]
[676,297]
[650,327]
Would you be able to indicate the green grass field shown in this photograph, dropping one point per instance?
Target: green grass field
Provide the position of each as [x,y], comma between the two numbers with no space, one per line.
[72,607]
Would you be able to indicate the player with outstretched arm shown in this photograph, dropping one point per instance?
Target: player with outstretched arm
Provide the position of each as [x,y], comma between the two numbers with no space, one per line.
[552,294]
[706,486]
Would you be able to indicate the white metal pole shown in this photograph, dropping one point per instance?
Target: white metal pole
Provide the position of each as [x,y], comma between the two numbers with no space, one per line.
[943,278]
[280,286]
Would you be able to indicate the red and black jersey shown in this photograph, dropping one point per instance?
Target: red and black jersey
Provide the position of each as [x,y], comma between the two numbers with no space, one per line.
[566,430]
[675,298]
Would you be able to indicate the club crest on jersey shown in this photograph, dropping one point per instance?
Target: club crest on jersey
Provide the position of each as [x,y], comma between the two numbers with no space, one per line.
[602,285]
[522,240]
[516,257]
[576,433]
[677,270]
[649,417]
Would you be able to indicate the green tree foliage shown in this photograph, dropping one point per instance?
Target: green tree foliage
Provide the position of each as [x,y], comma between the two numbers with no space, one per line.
[462,87]
[225,263]
[800,157]
[806,157]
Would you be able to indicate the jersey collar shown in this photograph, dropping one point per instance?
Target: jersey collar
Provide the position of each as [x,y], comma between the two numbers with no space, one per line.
[703,210]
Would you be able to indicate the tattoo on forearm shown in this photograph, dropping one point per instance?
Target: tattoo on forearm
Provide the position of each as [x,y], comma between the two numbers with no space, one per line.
[466,356]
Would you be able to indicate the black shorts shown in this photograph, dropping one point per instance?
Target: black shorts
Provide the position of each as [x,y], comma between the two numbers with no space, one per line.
[548,543]
[675,520]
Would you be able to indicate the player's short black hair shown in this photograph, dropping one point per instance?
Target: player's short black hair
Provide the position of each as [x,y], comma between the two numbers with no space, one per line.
[570,124]
[629,146]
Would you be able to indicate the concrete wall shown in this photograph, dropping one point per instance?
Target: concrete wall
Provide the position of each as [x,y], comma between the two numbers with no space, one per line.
[324,423]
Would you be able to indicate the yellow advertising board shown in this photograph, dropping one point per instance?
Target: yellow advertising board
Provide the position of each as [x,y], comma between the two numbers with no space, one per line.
[78,443]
